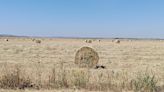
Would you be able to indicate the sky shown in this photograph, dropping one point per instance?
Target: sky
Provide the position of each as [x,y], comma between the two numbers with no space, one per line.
[83,18]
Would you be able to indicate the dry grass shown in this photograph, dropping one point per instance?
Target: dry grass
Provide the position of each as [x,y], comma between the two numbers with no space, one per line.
[134,66]
[13,80]
[60,77]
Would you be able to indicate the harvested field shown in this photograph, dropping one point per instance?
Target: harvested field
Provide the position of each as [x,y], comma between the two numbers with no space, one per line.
[51,65]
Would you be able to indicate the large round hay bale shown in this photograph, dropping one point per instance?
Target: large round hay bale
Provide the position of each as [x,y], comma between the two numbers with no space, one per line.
[86,57]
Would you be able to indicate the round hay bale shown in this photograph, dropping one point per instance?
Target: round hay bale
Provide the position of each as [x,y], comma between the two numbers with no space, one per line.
[117,41]
[33,39]
[7,40]
[88,41]
[86,57]
[38,41]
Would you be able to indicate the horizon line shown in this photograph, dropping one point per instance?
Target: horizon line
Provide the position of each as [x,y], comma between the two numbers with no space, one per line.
[73,37]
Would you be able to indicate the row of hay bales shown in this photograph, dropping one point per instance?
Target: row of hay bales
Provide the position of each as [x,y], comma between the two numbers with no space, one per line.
[34,40]
[87,41]
[91,40]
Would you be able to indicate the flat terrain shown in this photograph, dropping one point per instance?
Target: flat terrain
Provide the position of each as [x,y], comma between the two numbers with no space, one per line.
[127,58]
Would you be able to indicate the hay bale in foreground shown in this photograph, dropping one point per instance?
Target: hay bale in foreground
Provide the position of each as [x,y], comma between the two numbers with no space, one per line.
[86,57]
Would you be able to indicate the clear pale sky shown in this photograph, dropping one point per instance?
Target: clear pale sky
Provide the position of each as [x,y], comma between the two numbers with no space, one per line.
[83,18]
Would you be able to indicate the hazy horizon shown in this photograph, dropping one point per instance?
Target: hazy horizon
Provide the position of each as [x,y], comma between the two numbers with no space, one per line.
[85,18]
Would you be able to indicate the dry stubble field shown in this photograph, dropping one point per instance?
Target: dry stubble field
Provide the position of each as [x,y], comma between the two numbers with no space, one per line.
[49,66]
